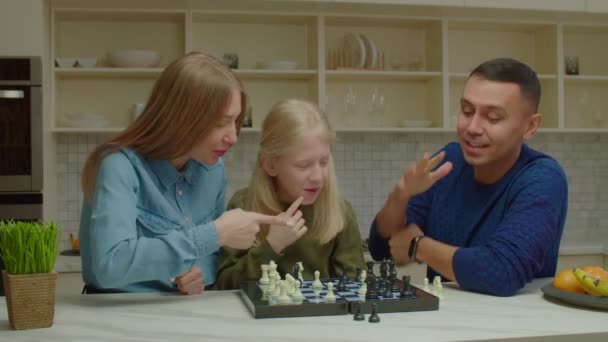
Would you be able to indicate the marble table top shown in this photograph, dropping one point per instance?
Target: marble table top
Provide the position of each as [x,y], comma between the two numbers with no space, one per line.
[221,316]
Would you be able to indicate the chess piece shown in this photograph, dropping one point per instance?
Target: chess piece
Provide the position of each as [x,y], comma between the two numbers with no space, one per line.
[342,283]
[272,268]
[363,289]
[359,316]
[388,291]
[264,280]
[374,318]
[384,269]
[372,288]
[316,284]
[425,285]
[357,273]
[277,288]
[271,285]
[299,275]
[330,296]
[283,297]
[370,268]
[297,295]
[406,291]
[437,287]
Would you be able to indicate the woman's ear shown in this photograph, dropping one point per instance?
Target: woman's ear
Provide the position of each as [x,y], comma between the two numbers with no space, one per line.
[268,164]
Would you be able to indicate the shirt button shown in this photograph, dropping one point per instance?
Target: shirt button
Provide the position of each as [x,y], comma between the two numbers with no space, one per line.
[187,219]
[179,192]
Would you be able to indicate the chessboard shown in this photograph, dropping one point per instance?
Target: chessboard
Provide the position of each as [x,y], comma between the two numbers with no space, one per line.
[262,305]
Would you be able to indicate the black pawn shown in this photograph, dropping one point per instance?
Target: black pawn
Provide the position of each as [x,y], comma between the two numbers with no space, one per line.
[374,318]
[406,290]
[359,316]
[342,283]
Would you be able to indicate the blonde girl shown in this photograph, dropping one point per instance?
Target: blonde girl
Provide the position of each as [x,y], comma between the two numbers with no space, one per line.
[295,169]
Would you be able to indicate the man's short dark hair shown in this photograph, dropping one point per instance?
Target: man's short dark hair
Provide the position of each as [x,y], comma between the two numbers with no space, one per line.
[509,70]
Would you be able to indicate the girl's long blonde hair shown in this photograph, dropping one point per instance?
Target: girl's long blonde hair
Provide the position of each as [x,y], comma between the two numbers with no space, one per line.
[187,100]
[285,124]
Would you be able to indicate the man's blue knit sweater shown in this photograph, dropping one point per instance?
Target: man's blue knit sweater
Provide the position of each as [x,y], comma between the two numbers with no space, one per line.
[509,232]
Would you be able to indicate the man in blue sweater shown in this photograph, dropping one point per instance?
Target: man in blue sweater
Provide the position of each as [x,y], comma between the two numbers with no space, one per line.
[491,216]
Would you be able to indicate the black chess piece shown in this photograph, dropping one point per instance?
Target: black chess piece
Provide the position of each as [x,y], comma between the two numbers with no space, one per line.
[374,318]
[342,283]
[388,291]
[384,269]
[406,290]
[370,268]
[395,285]
[372,289]
[359,316]
[358,273]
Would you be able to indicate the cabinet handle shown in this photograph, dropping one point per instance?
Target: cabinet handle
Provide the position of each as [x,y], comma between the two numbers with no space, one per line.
[11,94]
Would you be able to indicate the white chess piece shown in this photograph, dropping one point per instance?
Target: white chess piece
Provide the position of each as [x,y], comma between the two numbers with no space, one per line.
[425,284]
[283,297]
[290,280]
[330,296]
[297,296]
[363,288]
[316,284]
[437,287]
[277,288]
[272,268]
[264,280]
[271,285]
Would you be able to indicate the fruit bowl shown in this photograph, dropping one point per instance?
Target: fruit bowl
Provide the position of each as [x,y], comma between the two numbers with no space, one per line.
[582,300]
[134,58]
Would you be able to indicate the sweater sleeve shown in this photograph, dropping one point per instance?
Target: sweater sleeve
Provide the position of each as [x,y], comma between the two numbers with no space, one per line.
[519,247]
[348,253]
[239,265]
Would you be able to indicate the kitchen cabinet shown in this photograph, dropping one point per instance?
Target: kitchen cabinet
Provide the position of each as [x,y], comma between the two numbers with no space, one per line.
[405,73]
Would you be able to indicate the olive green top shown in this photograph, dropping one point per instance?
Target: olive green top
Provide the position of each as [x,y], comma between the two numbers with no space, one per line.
[344,252]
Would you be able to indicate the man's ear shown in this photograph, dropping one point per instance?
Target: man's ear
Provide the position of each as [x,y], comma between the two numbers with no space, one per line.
[268,164]
[533,124]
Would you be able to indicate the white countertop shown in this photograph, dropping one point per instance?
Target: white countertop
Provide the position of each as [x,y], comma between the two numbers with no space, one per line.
[221,316]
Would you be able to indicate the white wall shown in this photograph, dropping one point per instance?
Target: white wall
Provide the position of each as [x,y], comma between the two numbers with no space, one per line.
[21,27]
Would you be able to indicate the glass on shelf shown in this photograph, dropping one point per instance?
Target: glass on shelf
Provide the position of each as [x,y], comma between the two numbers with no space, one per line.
[350,105]
[376,106]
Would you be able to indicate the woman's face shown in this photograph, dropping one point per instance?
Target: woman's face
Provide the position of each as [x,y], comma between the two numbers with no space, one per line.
[303,171]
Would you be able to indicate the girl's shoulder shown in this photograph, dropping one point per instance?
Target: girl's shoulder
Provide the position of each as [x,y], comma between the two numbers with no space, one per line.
[238,199]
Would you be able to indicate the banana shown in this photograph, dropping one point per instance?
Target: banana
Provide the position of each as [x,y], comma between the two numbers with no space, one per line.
[593,285]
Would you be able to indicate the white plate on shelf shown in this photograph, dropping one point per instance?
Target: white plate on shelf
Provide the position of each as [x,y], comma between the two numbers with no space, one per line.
[84,120]
[416,123]
[355,46]
[278,65]
[371,54]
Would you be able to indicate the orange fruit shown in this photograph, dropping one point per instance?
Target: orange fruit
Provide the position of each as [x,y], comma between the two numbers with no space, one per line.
[596,271]
[566,281]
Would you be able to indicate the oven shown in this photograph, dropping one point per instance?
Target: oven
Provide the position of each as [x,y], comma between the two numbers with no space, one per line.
[20,138]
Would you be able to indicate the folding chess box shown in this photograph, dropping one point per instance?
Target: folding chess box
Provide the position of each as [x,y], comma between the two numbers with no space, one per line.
[314,304]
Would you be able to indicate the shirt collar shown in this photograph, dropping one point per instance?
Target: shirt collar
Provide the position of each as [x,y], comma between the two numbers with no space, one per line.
[169,175]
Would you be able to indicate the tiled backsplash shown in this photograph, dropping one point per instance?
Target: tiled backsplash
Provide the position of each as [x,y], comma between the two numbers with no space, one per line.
[368,165]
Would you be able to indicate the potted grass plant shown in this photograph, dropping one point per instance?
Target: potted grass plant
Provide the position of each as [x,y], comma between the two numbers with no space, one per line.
[29,250]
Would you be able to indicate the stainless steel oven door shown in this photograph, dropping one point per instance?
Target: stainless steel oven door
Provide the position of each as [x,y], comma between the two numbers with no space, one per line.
[20,136]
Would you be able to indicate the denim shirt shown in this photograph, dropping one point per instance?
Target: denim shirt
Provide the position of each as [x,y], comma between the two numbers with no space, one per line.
[149,223]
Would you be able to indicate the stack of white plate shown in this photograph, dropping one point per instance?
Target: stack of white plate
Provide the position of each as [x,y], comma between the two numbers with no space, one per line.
[364,50]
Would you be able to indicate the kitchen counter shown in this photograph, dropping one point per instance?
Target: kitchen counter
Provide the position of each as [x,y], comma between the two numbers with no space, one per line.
[220,315]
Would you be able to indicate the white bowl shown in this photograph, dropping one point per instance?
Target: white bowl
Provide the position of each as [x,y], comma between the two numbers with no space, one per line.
[134,58]
[65,62]
[86,62]
[416,123]
[283,65]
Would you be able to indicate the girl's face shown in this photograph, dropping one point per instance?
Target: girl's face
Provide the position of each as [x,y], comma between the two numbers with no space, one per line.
[301,172]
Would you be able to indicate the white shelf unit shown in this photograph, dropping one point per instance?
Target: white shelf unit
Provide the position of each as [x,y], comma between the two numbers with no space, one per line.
[426,63]
[107,91]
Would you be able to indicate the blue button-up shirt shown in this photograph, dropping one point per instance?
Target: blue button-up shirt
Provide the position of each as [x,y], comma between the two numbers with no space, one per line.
[149,223]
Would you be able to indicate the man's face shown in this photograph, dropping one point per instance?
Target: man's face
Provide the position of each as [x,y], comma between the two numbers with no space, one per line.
[494,120]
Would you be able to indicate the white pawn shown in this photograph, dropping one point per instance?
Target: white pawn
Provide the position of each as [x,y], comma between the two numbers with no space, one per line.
[264,280]
[272,268]
[283,297]
[437,287]
[316,284]
[330,296]
[425,284]
[277,288]
[363,288]
[271,285]
[297,294]
[290,280]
